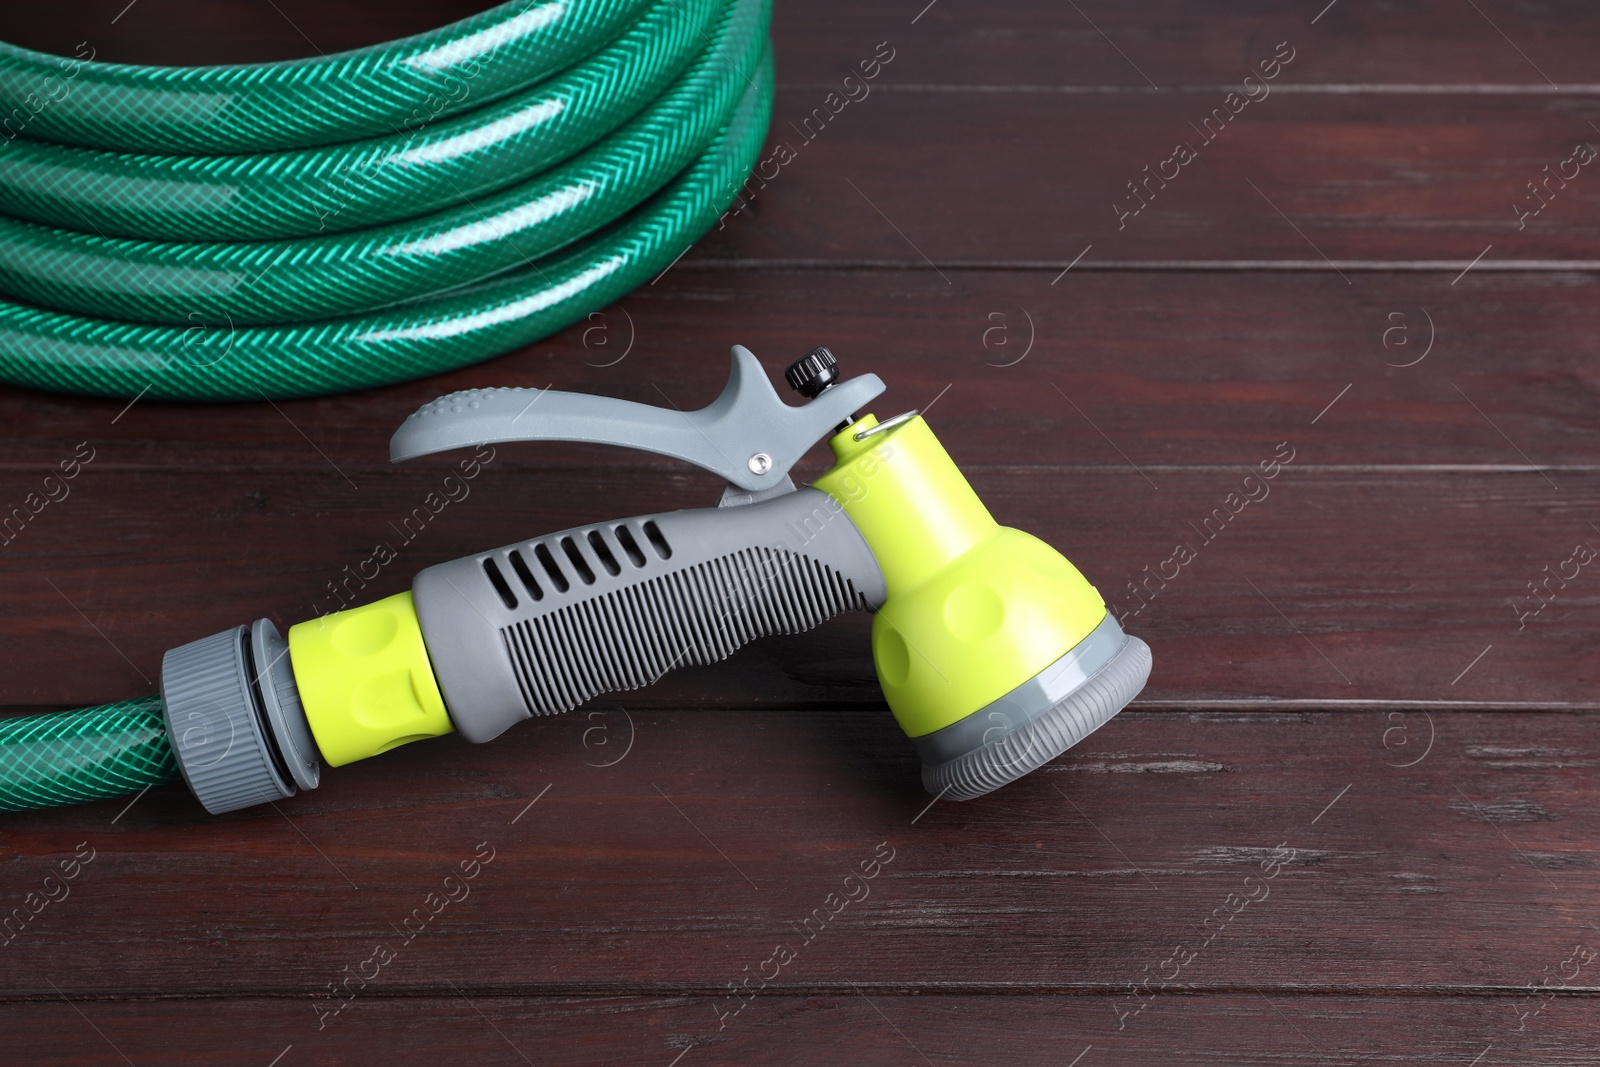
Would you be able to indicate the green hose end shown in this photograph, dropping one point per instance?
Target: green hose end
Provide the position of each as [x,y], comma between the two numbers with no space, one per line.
[71,757]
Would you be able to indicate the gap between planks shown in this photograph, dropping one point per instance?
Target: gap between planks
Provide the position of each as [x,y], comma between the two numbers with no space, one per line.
[1311,89]
[1212,266]
[646,465]
[1263,706]
[656,991]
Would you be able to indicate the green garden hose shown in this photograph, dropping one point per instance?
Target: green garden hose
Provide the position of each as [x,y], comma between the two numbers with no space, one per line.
[423,167]
[262,282]
[261,107]
[56,351]
[522,216]
[69,757]
[344,222]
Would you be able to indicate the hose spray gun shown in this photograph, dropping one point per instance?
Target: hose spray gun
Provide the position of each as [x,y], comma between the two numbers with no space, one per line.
[993,652]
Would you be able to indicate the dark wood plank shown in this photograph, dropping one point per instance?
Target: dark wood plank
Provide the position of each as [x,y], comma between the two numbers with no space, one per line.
[1209,369]
[1364,176]
[814,1031]
[1026,177]
[690,858]
[1103,46]
[1338,585]
[1351,667]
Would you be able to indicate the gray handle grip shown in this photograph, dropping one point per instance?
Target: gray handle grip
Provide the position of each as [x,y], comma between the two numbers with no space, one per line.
[540,627]
[748,435]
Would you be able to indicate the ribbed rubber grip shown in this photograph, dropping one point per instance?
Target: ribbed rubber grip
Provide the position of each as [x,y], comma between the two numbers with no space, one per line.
[631,636]
[541,626]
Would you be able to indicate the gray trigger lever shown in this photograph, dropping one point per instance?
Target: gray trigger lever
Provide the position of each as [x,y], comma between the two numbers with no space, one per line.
[748,435]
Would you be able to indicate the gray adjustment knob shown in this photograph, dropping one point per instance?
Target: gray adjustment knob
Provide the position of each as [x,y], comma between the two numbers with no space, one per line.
[239,733]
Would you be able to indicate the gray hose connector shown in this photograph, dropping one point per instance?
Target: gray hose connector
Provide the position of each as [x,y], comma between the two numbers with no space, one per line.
[235,721]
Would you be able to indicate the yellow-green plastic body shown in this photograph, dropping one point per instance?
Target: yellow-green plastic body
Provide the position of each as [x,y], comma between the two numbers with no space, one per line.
[365,680]
[973,608]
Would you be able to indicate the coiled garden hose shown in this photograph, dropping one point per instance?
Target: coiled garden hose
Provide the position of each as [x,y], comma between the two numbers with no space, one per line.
[259,107]
[552,198]
[69,757]
[421,167]
[261,282]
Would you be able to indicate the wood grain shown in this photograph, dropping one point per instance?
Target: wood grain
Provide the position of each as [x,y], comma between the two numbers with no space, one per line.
[1175,369]
[814,1031]
[1100,46]
[1352,667]
[1299,178]
[1337,585]
[686,861]
[1305,174]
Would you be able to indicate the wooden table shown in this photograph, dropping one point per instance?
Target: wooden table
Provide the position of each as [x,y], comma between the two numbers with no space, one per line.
[1366,742]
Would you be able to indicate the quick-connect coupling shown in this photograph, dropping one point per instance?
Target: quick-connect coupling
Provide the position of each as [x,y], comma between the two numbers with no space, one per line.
[366,681]
[251,717]
[234,718]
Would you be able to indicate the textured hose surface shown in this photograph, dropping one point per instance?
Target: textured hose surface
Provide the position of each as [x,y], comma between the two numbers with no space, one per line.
[56,351]
[598,140]
[255,283]
[69,757]
[259,107]
[423,167]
